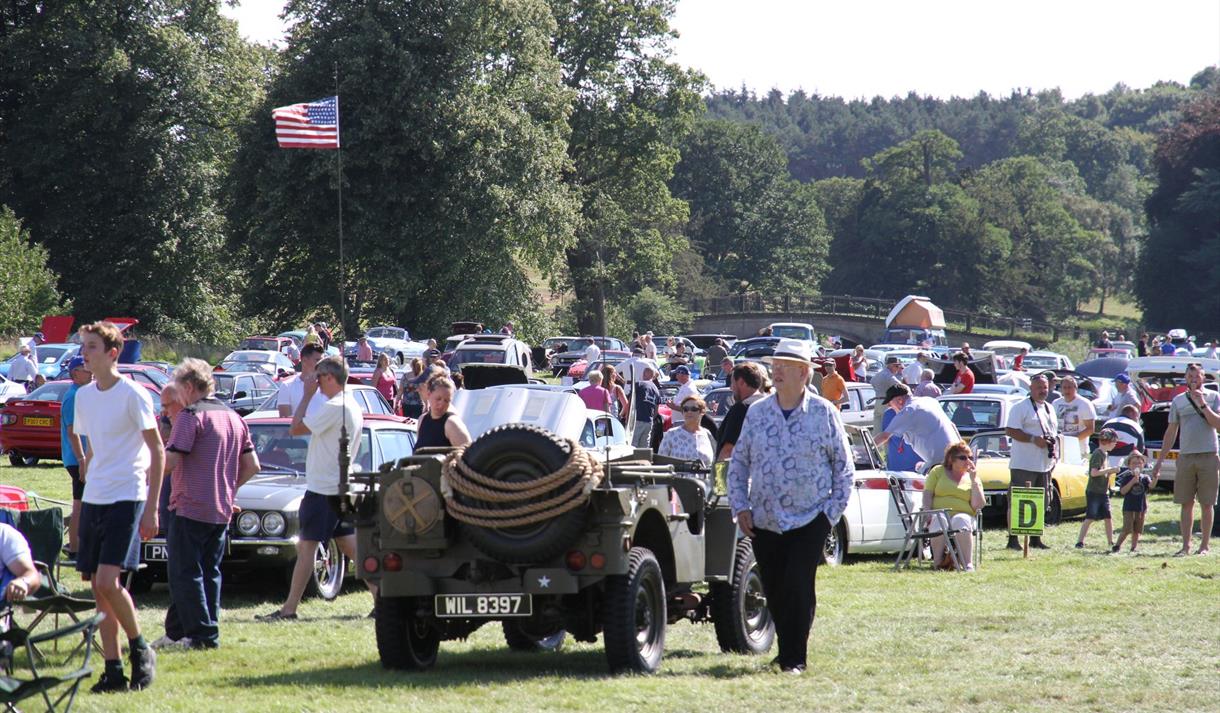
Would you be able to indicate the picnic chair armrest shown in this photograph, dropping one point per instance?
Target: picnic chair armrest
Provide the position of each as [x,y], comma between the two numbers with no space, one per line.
[78,627]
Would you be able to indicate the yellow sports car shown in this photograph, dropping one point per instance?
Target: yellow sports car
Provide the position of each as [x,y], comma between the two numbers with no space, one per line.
[1071,474]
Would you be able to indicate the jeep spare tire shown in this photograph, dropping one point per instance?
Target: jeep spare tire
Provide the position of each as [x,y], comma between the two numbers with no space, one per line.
[527,462]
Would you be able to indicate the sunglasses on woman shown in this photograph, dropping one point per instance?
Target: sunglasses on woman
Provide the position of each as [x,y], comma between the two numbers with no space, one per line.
[691,409]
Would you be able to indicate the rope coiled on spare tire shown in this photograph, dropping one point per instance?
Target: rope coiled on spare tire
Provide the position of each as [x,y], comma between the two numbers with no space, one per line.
[581,470]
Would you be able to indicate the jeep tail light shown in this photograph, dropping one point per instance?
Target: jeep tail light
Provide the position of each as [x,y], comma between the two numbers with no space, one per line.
[875,484]
[371,564]
[597,561]
[575,560]
[392,562]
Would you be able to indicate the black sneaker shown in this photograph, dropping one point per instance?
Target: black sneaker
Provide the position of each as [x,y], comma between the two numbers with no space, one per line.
[143,668]
[1080,545]
[110,683]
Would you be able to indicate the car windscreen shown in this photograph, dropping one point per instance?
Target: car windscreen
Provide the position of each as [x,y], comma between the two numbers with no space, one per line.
[270,345]
[276,449]
[156,376]
[718,403]
[579,345]
[50,355]
[754,349]
[992,445]
[224,385]
[477,356]
[1036,363]
[791,332]
[49,392]
[973,414]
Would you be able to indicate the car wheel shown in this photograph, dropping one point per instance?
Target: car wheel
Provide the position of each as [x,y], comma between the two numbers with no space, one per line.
[329,567]
[20,461]
[834,552]
[519,637]
[739,607]
[1054,507]
[635,616]
[405,641]
[400,358]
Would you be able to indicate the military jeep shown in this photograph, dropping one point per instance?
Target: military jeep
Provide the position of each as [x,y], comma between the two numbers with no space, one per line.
[551,538]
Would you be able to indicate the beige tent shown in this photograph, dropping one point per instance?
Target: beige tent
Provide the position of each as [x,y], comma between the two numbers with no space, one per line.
[915,312]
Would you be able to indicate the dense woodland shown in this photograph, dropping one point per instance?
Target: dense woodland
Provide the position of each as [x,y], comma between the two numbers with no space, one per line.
[497,152]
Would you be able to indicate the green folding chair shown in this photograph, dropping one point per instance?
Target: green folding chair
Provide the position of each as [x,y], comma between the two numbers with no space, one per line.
[13,690]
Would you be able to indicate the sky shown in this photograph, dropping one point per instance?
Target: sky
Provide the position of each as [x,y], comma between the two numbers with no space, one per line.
[941,48]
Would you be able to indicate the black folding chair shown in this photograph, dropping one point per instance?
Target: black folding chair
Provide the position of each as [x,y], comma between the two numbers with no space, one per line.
[13,690]
[919,530]
[44,531]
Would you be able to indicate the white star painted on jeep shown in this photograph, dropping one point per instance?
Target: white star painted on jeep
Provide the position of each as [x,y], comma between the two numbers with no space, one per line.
[544,581]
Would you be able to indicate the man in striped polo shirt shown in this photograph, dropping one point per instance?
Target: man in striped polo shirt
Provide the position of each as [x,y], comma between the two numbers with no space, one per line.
[208,457]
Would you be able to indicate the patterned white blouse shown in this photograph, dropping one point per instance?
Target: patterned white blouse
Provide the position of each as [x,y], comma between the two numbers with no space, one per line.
[681,443]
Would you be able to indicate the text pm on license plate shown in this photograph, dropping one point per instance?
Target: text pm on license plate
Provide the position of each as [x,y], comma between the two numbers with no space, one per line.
[483,605]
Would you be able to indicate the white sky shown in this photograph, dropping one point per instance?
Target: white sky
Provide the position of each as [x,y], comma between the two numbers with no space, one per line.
[864,48]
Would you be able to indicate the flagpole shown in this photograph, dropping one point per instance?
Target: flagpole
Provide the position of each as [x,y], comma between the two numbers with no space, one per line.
[344,441]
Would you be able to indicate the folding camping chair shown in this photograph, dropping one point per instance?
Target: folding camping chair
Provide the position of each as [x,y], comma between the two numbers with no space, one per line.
[13,690]
[919,531]
[44,531]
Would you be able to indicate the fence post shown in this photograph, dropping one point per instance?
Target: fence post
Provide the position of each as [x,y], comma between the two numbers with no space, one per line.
[1012,327]
[788,303]
[968,316]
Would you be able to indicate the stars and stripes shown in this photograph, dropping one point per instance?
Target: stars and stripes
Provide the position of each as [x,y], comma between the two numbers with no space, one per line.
[310,125]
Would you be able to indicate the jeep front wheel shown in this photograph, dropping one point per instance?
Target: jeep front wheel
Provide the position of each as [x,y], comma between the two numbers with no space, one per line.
[739,608]
[635,616]
[405,642]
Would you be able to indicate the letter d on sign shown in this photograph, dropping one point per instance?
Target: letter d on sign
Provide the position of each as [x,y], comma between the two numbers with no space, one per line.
[1027,516]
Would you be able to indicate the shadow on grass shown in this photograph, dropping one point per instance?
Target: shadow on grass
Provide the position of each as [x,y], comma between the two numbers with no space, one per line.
[481,666]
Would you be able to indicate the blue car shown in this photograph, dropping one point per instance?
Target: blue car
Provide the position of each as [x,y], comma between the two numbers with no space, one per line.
[52,359]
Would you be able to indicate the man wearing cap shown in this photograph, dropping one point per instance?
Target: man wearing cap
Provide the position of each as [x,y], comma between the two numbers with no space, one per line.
[72,446]
[726,370]
[834,386]
[686,389]
[1124,396]
[913,372]
[23,369]
[881,383]
[646,397]
[789,481]
[922,422]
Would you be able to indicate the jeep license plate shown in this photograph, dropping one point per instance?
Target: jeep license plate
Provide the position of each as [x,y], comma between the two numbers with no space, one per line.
[483,605]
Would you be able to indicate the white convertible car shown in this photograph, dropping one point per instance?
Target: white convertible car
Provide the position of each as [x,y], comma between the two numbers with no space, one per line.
[871,523]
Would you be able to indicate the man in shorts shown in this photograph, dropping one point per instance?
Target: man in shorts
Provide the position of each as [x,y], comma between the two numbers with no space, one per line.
[1033,428]
[319,521]
[1193,413]
[122,471]
[72,449]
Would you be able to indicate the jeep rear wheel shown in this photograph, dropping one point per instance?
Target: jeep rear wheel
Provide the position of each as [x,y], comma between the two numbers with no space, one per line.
[739,608]
[517,454]
[635,615]
[405,642]
[519,637]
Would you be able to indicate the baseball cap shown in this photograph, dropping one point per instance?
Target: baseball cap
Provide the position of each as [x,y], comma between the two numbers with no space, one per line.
[432,354]
[1123,379]
[75,363]
[681,369]
[896,391]
[40,335]
[892,360]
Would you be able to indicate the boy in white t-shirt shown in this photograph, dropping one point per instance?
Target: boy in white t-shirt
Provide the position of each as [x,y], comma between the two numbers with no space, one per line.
[122,471]
[293,392]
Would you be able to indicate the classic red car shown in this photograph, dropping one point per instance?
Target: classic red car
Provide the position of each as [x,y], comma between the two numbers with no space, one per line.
[29,427]
[609,356]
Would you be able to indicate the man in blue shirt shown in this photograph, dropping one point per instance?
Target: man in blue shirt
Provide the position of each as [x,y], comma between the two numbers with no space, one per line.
[789,480]
[72,446]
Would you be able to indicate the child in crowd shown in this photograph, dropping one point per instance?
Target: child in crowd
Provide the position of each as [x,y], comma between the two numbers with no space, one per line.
[1134,486]
[1097,492]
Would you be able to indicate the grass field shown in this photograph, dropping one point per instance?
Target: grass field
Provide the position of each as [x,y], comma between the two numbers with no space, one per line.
[1066,630]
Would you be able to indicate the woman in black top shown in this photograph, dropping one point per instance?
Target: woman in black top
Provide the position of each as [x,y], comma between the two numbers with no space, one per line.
[438,426]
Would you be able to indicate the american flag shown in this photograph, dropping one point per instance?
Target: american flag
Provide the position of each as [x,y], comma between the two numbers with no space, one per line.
[311,125]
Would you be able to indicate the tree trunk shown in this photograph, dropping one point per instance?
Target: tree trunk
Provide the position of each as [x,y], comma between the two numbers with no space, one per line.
[590,292]
[1101,306]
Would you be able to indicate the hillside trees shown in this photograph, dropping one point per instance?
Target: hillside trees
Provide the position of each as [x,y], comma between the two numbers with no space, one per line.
[454,134]
[117,125]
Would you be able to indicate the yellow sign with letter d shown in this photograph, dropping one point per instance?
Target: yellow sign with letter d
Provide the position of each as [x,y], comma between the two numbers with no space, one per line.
[1026,511]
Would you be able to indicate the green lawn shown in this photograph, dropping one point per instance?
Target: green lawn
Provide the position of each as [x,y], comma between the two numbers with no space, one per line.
[1065,631]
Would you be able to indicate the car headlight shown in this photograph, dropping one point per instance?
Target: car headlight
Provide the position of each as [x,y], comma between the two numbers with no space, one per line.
[273,524]
[247,523]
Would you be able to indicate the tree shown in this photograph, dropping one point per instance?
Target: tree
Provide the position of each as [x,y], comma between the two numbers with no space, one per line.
[1179,264]
[755,227]
[27,285]
[454,132]
[631,108]
[117,125]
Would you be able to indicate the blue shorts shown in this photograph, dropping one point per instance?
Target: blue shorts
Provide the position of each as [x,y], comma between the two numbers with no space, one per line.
[1097,506]
[109,534]
[78,485]
[319,521]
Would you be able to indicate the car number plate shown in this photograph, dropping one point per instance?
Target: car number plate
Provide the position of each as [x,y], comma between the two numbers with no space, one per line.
[1171,455]
[37,421]
[483,605]
[156,552]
